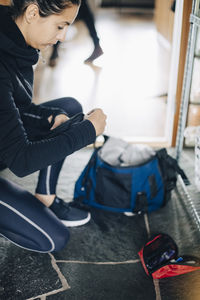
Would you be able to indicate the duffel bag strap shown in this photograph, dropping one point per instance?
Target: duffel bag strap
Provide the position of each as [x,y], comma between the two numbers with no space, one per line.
[172,162]
[141,203]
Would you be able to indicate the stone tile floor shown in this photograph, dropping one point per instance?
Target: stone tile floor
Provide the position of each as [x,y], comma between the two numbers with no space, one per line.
[101,259]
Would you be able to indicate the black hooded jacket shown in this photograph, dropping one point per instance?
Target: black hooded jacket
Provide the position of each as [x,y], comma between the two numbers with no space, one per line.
[20,154]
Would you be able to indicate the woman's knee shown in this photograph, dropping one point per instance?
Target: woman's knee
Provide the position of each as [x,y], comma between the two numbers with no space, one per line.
[72,106]
[33,226]
[29,234]
[55,236]
[54,244]
[69,104]
[61,241]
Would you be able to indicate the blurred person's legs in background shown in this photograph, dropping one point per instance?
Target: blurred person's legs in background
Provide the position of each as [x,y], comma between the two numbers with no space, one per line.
[85,14]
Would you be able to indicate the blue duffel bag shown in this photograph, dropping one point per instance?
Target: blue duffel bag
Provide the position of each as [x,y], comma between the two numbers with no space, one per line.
[132,189]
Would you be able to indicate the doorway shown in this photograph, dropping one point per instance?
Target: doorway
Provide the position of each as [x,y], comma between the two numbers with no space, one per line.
[130,82]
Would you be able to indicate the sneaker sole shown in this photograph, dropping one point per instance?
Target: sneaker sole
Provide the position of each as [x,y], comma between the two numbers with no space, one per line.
[77,223]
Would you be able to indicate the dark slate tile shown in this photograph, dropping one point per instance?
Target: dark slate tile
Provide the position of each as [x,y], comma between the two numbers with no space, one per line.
[182,287]
[106,282]
[25,274]
[176,220]
[108,237]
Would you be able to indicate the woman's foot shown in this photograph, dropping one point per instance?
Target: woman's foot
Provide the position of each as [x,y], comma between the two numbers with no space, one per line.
[53,62]
[95,54]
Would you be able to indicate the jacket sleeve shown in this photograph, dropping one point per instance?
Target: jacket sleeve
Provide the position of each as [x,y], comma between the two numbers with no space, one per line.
[24,157]
[37,114]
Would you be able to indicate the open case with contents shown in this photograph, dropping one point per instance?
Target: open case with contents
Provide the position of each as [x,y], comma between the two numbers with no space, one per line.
[160,258]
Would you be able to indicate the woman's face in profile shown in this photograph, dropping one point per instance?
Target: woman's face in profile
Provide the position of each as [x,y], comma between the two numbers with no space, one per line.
[42,32]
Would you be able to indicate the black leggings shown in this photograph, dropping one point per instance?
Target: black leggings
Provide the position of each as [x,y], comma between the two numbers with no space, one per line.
[24,220]
[48,177]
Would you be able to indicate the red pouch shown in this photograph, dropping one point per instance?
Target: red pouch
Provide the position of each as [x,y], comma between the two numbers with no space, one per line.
[160,259]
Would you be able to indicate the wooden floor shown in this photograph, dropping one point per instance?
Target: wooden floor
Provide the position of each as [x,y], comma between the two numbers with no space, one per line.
[129,82]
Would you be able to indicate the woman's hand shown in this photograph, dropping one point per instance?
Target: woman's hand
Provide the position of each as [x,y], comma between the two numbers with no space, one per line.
[98,119]
[59,119]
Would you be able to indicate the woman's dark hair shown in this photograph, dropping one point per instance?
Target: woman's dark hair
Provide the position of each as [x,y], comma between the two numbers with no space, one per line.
[46,7]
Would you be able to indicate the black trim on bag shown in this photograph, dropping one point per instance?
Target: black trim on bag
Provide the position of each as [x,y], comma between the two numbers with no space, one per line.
[153,186]
[141,203]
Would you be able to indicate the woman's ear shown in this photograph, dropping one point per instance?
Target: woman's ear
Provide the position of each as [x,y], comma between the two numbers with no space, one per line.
[31,13]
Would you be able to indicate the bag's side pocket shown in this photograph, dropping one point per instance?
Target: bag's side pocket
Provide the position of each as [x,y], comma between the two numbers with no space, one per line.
[113,189]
